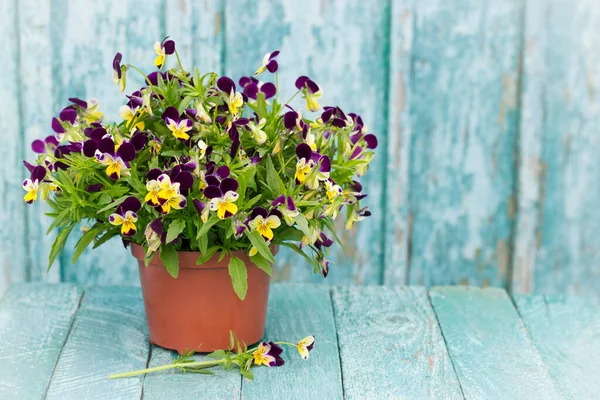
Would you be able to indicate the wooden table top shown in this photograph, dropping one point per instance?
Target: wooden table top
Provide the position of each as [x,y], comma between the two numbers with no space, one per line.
[62,341]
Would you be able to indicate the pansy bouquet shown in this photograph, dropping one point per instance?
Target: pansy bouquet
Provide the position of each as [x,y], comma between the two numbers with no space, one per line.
[207,164]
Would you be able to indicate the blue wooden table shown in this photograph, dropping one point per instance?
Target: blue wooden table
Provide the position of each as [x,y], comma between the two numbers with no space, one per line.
[62,341]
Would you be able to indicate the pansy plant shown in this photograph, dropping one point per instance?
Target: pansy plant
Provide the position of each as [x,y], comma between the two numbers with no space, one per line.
[239,356]
[200,163]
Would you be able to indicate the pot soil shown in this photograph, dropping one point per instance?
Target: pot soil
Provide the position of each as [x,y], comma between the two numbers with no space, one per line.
[196,310]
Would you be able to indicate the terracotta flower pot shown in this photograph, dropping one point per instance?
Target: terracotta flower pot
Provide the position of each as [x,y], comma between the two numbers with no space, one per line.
[196,310]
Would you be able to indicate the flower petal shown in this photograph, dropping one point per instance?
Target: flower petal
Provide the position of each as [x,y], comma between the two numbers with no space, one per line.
[130,204]
[126,151]
[172,113]
[212,192]
[303,151]
[223,172]
[226,84]
[269,90]
[228,184]
[38,146]
[57,126]
[371,141]
[68,115]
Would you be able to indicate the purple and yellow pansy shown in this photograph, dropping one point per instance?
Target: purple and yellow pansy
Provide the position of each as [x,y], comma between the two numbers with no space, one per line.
[37,184]
[269,63]
[125,216]
[221,190]
[246,162]
[163,49]
[268,354]
[177,124]
[116,161]
[305,345]
[264,222]
[310,91]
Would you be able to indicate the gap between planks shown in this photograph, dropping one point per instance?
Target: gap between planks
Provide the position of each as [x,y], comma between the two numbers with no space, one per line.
[62,347]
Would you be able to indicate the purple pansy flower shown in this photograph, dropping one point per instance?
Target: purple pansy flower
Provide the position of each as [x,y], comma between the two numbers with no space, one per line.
[177,125]
[269,63]
[233,99]
[221,191]
[287,207]
[264,222]
[310,91]
[305,163]
[125,216]
[117,163]
[163,49]
[324,267]
[119,72]
[268,354]
[47,145]
[335,116]
[252,87]
[305,346]
[36,183]
[293,119]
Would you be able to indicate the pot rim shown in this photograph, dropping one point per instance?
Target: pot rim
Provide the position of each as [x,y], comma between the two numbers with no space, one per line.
[187,259]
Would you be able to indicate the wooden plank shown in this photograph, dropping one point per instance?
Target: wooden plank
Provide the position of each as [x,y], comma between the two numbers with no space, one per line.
[398,218]
[13,213]
[565,332]
[464,120]
[34,323]
[85,42]
[109,335]
[197,28]
[37,86]
[172,384]
[391,345]
[296,311]
[342,45]
[489,346]
[531,168]
[567,257]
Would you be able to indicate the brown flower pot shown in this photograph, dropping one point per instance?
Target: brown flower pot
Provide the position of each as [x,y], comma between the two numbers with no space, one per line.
[196,310]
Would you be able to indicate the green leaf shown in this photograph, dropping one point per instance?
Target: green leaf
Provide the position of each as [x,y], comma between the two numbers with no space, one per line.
[217,354]
[231,339]
[175,228]
[273,179]
[204,230]
[247,374]
[261,263]
[59,244]
[106,237]
[203,243]
[58,220]
[333,231]
[170,258]
[239,276]
[257,241]
[299,251]
[207,255]
[252,201]
[172,153]
[147,258]
[85,241]
[114,204]
[302,223]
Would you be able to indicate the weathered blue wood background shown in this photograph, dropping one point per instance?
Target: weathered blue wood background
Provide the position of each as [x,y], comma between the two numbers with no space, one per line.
[487,112]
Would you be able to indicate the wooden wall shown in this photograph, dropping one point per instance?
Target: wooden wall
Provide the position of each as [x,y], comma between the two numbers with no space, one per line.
[487,113]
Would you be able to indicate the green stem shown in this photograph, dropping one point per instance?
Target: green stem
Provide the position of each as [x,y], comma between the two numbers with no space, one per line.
[292,98]
[179,62]
[141,73]
[166,367]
